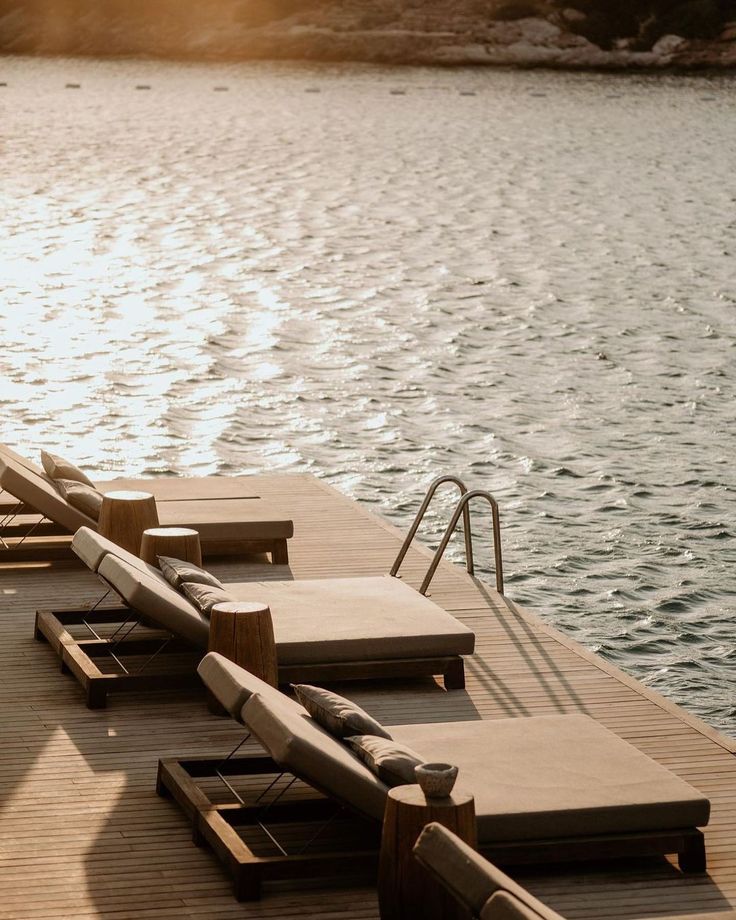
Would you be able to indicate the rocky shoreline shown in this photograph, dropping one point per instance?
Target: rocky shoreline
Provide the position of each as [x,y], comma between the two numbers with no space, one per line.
[379,32]
[530,42]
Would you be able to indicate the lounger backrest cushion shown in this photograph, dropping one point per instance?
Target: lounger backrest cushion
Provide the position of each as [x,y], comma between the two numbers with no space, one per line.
[471,878]
[92,548]
[7,454]
[151,595]
[233,686]
[36,490]
[299,745]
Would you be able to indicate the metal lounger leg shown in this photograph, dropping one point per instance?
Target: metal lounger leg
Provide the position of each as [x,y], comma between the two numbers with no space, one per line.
[158,651]
[25,536]
[323,827]
[264,813]
[225,760]
[8,520]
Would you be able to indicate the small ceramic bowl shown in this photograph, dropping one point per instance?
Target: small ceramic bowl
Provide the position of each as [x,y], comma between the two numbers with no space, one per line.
[436,779]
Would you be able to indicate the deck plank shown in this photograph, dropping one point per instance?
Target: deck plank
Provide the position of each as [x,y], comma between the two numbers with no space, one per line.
[82,833]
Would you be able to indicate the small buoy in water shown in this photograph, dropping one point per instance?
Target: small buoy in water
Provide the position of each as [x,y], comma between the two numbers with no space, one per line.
[73,85]
[602,356]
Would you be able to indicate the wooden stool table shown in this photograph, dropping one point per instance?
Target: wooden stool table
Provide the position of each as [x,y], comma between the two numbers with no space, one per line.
[405,888]
[243,632]
[125,515]
[177,542]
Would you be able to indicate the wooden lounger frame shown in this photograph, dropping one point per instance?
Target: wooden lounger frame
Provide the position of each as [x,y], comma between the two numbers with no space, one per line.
[216,825]
[48,541]
[84,658]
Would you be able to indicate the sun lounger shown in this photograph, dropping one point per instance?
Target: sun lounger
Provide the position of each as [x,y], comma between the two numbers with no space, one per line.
[482,888]
[547,788]
[227,522]
[325,629]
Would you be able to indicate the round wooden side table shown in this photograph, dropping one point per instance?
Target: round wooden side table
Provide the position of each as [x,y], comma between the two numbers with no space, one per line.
[243,632]
[177,542]
[405,888]
[125,515]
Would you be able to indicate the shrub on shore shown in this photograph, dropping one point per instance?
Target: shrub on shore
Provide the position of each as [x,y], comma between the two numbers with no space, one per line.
[604,22]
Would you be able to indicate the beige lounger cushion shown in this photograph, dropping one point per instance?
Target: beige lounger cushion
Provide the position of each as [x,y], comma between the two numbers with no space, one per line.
[232,685]
[355,619]
[338,716]
[82,496]
[58,468]
[226,520]
[472,879]
[92,549]
[556,776]
[297,743]
[149,593]
[40,493]
[7,454]
[177,571]
[184,488]
[393,763]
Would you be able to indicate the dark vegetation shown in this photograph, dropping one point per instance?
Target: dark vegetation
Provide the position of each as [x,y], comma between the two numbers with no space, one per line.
[646,21]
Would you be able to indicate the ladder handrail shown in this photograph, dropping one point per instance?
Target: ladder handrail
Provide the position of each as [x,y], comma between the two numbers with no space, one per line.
[462,508]
[431,489]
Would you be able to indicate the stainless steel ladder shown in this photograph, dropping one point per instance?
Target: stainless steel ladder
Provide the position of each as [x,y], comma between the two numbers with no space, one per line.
[462,508]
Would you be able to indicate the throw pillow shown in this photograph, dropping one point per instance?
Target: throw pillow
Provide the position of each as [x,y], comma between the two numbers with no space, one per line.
[58,468]
[204,597]
[340,717]
[81,496]
[177,571]
[392,762]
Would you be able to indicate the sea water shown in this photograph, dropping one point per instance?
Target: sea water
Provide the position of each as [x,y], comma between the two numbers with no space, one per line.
[379,275]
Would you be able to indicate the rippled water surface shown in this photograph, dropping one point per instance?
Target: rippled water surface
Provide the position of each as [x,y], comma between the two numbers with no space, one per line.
[378,275]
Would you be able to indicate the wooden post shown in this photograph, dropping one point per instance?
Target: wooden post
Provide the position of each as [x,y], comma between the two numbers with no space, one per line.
[125,515]
[177,542]
[692,857]
[279,553]
[405,888]
[243,632]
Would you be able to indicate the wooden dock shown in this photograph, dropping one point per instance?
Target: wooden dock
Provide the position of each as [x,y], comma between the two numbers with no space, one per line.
[83,834]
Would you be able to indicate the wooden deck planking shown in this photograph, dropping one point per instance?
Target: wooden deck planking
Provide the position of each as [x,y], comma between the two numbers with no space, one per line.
[82,833]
